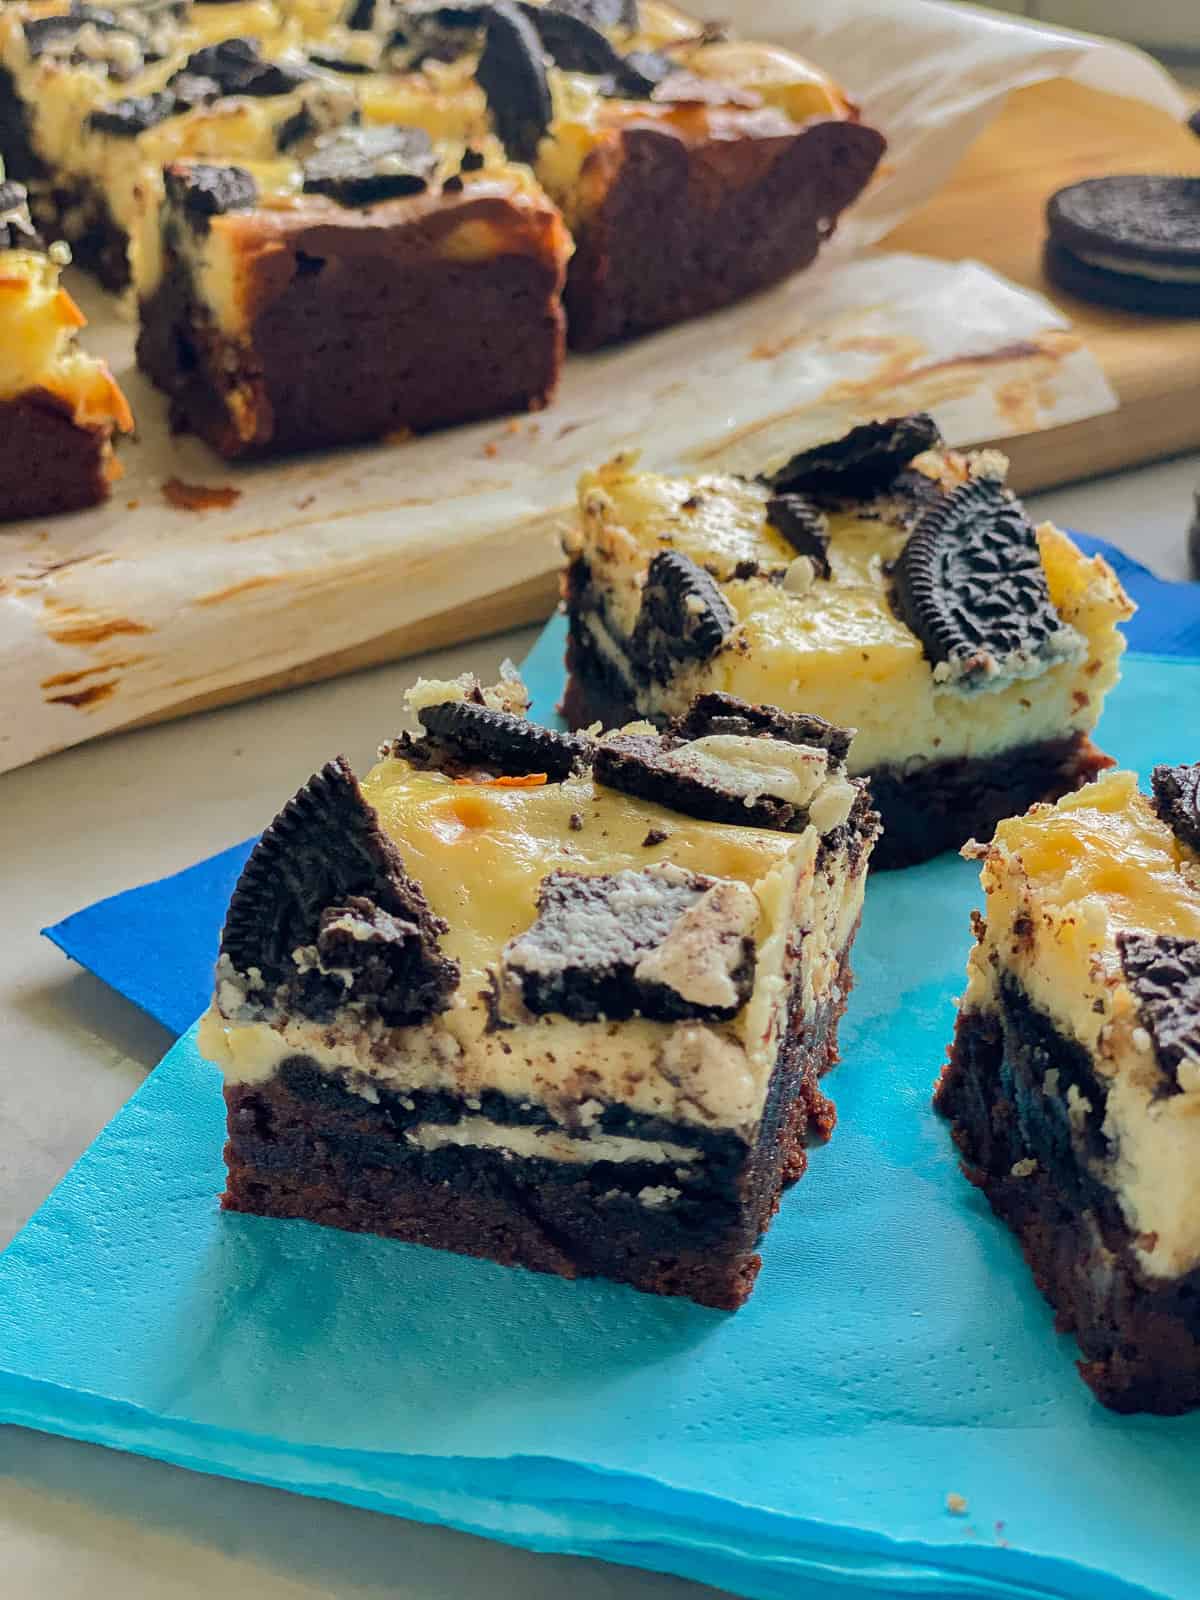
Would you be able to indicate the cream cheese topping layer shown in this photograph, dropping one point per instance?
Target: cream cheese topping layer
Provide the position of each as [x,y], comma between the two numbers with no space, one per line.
[479,853]
[1061,883]
[835,647]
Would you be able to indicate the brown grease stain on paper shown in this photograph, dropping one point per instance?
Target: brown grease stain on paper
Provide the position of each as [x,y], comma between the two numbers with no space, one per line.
[75,626]
[61,680]
[900,385]
[264,580]
[84,699]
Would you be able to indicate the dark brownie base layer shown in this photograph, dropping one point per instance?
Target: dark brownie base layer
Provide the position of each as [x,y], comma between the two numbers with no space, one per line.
[354,342]
[684,228]
[48,464]
[926,810]
[300,1146]
[1140,1336]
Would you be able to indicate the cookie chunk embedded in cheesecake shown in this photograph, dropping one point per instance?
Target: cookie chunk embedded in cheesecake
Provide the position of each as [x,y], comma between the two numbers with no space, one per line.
[507,997]
[1073,1087]
[880,580]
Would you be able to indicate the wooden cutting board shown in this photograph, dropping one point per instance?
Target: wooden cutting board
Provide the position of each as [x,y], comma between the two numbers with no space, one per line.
[992,209]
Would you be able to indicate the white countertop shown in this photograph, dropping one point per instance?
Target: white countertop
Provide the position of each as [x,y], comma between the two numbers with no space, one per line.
[79,1521]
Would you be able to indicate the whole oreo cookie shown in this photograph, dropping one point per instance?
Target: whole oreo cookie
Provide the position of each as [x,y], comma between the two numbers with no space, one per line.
[1131,241]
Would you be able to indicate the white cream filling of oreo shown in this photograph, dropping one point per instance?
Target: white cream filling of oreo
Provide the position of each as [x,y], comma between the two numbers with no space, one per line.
[548,1144]
[1153,271]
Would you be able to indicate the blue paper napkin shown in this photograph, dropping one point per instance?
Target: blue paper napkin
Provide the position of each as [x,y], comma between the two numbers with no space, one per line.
[894,1352]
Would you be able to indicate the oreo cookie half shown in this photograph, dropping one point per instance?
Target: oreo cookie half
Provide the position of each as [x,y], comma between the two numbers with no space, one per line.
[475,735]
[1163,974]
[971,586]
[322,873]
[662,943]
[1176,793]
[1131,241]
[861,464]
[804,527]
[512,74]
[725,713]
[746,779]
[683,617]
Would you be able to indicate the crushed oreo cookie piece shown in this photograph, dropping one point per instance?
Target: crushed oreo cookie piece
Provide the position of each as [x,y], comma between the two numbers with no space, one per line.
[339,64]
[17,231]
[861,464]
[660,943]
[360,15]
[357,166]
[572,41]
[715,782]
[683,617]
[681,87]
[237,67]
[971,586]
[641,73]
[473,160]
[379,958]
[1176,793]
[804,527]
[48,34]
[125,119]
[1163,974]
[512,74]
[433,32]
[601,14]
[503,742]
[204,190]
[725,713]
[327,853]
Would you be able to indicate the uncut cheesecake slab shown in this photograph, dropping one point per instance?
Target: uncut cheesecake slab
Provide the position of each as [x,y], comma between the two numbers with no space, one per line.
[1073,1085]
[559,1002]
[60,408]
[882,581]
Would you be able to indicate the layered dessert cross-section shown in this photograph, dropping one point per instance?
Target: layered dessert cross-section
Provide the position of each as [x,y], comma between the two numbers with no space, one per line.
[558,1001]
[60,408]
[1073,1086]
[882,581]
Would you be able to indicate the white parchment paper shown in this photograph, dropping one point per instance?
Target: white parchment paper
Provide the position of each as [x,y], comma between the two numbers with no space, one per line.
[127,611]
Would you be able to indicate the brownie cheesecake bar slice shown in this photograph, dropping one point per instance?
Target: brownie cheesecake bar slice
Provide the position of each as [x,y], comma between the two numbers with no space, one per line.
[556,1001]
[883,581]
[1073,1086]
[59,407]
[373,289]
